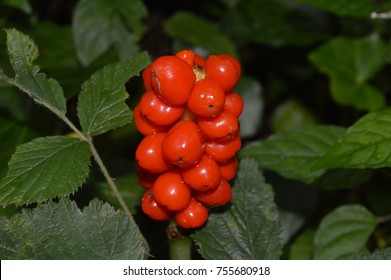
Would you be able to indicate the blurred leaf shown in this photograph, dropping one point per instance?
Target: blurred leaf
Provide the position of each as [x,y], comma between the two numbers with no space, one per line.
[12,134]
[99,24]
[366,144]
[22,5]
[251,91]
[294,152]
[23,52]
[289,114]
[45,168]
[62,231]
[291,223]
[101,105]
[362,8]
[346,62]
[384,254]
[200,32]
[129,188]
[250,229]
[303,247]
[275,22]
[335,179]
[343,231]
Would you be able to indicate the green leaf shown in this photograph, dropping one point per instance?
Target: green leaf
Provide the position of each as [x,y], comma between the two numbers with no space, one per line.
[384,254]
[362,8]
[343,232]
[335,179]
[346,62]
[366,144]
[291,223]
[303,247]
[11,135]
[22,5]
[199,32]
[62,231]
[250,229]
[45,168]
[293,153]
[23,52]
[251,91]
[101,104]
[100,24]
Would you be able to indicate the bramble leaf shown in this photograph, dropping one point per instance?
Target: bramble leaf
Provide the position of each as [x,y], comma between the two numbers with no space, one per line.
[250,228]
[62,231]
[101,105]
[293,153]
[343,232]
[45,168]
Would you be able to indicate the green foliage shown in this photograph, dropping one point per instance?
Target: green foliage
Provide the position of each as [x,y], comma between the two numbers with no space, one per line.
[294,152]
[343,231]
[45,168]
[250,229]
[364,145]
[346,63]
[62,231]
[99,25]
[377,255]
[22,5]
[101,104]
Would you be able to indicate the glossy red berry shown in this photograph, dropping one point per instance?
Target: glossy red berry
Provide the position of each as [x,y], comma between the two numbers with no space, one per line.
[223,71]
[149,154]
[234,61]
[206,99]
[147,78]
[171,191]
[233,103]
[222,151]
[183,145]
[186,55]
[172,79]
[151,208]
[144,126]
[224,125]
[156,111]
[228,169]
[216,197]
[146,179]
[199,61]
[205,175]
[193,216]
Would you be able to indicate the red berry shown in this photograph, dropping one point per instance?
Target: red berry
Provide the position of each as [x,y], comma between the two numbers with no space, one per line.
[233,103]
[158,112]
[151,208]
[218,196]
[207,98]
[186,55]
[146,179]
[223,71]
[222,151]
[224,125]
[199,61]
[149,154]
[205,175]
[144,126]
[183,145]
[234,61]
[228,169]
[193,216]
[147,78]
[171,191]
[172,79]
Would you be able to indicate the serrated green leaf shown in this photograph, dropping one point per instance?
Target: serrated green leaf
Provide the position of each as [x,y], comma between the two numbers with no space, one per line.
[362,8]
[62,231]
[45,168]
[250,229]
[22,5]
[343,232]
[23,52]
[101,105]
[366,144]
[384,254]
[346,62]
[294,152]
[100,24]
[199,32]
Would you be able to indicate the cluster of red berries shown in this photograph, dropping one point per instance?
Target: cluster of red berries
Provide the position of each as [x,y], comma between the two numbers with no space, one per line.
[189,117]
